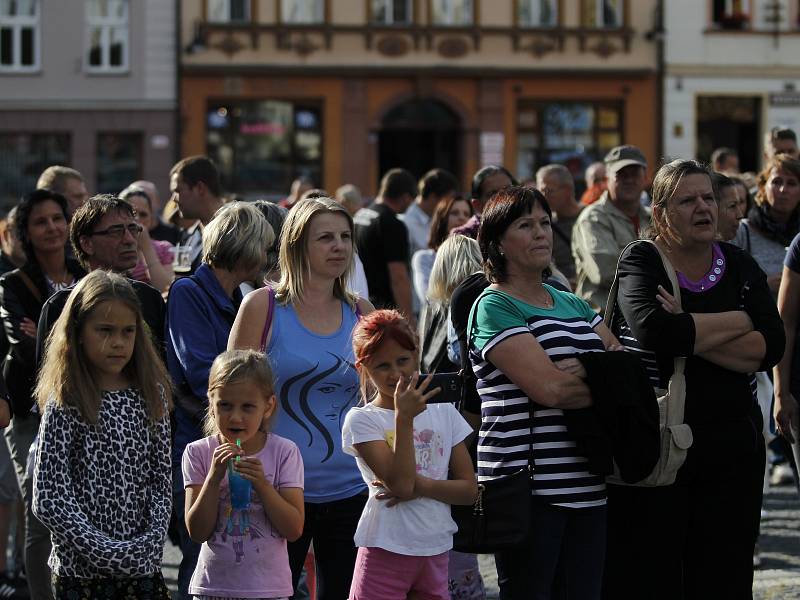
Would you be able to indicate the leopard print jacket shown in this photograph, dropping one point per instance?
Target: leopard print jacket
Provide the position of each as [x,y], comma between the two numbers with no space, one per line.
[104,490]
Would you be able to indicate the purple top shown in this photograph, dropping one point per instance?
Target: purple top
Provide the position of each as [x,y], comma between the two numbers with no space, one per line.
[711,278]
[245,557]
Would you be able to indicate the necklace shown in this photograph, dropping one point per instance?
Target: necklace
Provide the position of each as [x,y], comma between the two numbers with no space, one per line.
[546,302]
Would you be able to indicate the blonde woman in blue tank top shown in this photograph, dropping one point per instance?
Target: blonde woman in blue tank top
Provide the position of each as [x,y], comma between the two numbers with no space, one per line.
[305,326]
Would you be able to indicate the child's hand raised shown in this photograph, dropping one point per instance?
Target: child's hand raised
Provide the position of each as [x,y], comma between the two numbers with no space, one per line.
[251,469]
[411,399]
[219,461]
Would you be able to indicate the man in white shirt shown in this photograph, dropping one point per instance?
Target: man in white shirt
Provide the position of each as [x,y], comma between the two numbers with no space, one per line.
[436,185]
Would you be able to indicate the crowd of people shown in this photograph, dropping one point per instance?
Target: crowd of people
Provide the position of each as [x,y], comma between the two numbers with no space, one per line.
[255,378]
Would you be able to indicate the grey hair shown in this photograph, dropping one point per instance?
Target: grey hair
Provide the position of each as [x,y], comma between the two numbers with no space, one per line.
[666,182]
[457,258]
[237,237]
[560,171]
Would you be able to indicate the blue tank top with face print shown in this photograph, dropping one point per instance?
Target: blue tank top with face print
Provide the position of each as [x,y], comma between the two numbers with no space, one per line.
[316,383]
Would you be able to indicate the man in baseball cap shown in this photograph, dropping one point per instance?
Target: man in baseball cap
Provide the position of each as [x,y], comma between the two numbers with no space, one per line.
[608,225]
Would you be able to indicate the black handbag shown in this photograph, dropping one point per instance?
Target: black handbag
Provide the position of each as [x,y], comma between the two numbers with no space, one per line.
[501,515]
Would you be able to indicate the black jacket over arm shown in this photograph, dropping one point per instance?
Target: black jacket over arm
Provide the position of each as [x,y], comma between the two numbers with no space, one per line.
[712,392]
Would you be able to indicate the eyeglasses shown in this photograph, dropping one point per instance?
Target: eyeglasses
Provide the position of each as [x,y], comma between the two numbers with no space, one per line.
[118,231]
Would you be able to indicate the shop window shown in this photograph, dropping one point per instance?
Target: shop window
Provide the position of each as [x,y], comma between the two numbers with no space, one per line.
[107,36]
[262,145]
[19,35]
[731,14]
[23,157]
[537,13]
[228,11]
[303,12]
[574,134]
[452,12]
[607,14]
[392,12]
[118,161]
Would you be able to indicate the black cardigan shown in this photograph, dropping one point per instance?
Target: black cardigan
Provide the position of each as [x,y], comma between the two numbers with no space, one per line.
[713,393]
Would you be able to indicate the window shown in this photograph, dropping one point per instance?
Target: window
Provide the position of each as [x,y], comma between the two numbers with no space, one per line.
[19,35]
[262,145]
[391,12]
[731,14]
[604,13]
[228,11]
[23,157]
[451,12]
[537,13]
[303,11]
[118,159]
[107,36]
[575,134]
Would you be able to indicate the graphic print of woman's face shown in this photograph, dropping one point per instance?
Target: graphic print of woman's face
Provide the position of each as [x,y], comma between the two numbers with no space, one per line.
[329,245]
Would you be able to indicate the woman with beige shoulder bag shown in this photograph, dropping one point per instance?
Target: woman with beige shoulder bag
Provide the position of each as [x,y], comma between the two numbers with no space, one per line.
[694,538]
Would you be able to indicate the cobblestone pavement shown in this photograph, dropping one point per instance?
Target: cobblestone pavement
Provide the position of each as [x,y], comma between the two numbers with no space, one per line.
[778,578]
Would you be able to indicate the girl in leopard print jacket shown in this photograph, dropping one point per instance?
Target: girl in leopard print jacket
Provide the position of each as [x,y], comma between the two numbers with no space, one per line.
[102,470]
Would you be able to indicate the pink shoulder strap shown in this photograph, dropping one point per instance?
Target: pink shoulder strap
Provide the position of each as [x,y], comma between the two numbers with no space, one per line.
[268,322]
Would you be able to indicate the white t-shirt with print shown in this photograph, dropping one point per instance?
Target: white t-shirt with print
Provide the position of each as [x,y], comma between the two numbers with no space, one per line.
[419,527]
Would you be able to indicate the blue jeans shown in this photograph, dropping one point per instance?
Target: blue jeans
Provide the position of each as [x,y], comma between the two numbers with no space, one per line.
[562,558]
[189,549]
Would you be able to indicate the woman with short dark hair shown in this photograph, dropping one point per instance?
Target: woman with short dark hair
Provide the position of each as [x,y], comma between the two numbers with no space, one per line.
[695,538]
[41,226]
[524,336]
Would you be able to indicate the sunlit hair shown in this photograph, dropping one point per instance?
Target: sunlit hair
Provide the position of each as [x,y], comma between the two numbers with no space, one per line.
[781,162]
[440,219]
[237,237]
[665,183]
[68,378]
[237,366]
[369,335]
[457,258]
[293,253]
[505,207]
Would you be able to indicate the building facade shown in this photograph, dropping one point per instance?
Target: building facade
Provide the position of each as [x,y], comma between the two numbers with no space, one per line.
[89,84]
[341,91]
[731,74]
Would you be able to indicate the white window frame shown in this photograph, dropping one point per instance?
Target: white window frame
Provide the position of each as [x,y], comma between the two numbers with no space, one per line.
[106,25]
[599,15]
[535,10]
[389,7]
[227,10]
[317,18]
[17,23]
[448,11]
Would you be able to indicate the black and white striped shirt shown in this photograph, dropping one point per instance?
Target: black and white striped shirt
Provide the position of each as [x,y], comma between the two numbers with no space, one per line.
[561,473]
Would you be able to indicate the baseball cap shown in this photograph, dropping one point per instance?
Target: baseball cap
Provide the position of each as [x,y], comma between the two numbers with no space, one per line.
[624,156]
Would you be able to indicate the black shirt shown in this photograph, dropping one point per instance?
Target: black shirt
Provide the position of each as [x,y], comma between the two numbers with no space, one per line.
[713,393]
[166,233]
[381,238]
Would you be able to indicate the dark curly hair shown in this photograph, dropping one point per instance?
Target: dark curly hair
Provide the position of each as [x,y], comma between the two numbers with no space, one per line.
[505,207]
[24,209]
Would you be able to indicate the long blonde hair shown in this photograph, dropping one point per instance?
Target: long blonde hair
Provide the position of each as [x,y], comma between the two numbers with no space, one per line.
[457,258]
[235,366]
[66,376]
[293,254]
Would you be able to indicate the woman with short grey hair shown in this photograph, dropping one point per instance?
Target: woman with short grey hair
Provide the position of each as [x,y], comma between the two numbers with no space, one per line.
[200,312]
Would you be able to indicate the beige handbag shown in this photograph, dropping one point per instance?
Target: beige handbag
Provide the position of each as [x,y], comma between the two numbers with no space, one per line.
[676,436]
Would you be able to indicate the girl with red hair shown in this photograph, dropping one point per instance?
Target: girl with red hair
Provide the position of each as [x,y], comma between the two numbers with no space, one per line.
[405,449]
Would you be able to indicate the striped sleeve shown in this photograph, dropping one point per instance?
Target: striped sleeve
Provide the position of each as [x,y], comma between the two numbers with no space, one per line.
[494,319]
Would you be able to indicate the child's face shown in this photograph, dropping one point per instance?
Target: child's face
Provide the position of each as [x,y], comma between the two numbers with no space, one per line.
[239,409]
[108,337]
[388,365]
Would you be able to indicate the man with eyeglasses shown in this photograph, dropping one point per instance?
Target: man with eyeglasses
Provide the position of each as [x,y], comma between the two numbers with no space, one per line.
[104,234]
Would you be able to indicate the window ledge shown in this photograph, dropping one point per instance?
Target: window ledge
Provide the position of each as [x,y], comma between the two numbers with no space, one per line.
[16,71]
[107,73]
[749,31]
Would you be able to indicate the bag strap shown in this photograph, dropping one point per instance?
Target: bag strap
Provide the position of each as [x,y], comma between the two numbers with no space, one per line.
[530,409]
[28,282]
[268,322]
